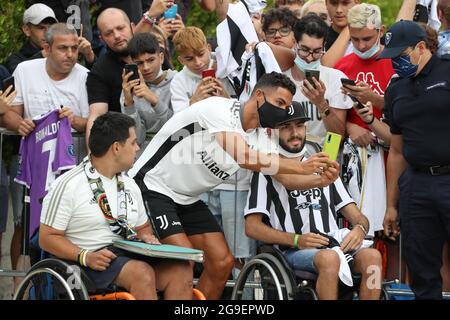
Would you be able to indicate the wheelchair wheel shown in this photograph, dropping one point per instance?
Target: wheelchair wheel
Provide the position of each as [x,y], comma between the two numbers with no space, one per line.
[306,292]
[52,279]
[263,278]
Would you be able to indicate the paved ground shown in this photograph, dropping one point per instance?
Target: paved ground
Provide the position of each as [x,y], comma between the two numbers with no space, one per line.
[6,283]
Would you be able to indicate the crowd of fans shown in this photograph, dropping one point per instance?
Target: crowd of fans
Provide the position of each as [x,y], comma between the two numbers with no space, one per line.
[84,70]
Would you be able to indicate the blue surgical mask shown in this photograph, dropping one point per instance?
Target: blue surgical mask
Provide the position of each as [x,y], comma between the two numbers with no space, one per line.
[303,65]
[403,66]
[369,53]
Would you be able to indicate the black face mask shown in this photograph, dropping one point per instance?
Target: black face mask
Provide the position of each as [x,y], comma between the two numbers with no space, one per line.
[270,115]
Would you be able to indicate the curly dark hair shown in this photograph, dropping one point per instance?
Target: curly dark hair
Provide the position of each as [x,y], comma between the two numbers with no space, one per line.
[312,25]
[273,80]
[282,15]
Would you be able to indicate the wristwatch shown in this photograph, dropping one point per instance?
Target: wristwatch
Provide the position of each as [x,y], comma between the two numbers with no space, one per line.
[325,113]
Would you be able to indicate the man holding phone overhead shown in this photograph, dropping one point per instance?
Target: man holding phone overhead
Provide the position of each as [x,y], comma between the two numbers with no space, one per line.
[318,86]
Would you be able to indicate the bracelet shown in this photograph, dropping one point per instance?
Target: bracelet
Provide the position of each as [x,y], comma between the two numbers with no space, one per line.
[82,257]
[149,20]
[362,228]
[296,237]
[371,121]
[79,258]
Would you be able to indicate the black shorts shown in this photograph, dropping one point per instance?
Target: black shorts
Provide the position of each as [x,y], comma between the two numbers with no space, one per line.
[170,218]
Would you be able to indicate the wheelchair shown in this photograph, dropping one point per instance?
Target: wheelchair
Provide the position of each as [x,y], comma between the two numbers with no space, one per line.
[55,279]
[268,276]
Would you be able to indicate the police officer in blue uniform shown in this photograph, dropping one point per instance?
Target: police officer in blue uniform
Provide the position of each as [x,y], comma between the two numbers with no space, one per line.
[418,166]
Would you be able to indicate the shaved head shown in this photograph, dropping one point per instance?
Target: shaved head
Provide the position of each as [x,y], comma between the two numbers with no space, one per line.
[115,30]
[111,14]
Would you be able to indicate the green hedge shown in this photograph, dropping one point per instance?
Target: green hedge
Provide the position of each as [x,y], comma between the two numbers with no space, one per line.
[11,36]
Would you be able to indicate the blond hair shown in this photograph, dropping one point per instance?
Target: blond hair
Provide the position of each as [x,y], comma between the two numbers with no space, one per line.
[307,4]
[189,38]
[364,15]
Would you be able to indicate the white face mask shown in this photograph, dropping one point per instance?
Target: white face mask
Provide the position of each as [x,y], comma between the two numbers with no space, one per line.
[369,53]
[160,73]
[303,65]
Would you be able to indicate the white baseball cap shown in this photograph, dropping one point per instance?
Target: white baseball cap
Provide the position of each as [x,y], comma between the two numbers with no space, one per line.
[37,13]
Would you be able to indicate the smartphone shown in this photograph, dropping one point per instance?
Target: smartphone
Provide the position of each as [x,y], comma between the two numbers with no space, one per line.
[171,13]
[132,68]
[347,82]
[209,73]
[8,82]
[309,74]
[354,99]
[332,144]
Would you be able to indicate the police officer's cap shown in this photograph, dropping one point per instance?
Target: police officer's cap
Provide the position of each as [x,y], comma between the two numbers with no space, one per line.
[295,112]
[401,35]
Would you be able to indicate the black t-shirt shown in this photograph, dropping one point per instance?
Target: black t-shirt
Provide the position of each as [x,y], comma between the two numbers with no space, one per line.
[27,52]
[104,81]
[331,38]
[419,110]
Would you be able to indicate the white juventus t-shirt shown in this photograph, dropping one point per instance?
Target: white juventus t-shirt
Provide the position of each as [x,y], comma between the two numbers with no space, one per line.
[297,211]
[332,80]
[184,159]
[70,206]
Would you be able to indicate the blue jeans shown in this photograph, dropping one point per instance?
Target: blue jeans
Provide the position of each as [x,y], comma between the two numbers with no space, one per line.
[229,211]
[302,259]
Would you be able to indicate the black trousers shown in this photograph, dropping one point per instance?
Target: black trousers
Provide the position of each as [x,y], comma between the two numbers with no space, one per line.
[424,209]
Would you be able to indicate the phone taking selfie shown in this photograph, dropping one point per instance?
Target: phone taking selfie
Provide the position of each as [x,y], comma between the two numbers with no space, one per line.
[209,73]
[132,68]
[171,13]
[8,82]
[332,144]
[309,74]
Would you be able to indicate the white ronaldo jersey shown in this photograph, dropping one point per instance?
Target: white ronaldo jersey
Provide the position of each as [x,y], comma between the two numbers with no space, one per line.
[184,159]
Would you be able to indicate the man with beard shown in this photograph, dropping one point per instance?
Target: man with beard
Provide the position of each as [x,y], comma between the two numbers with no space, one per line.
[301,222]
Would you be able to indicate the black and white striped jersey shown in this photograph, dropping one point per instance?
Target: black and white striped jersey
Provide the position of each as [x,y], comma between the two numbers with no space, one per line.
[296,211]
[184,159]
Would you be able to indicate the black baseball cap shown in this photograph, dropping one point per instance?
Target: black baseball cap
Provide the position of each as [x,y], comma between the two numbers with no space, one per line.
[296,111]
[401,35]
